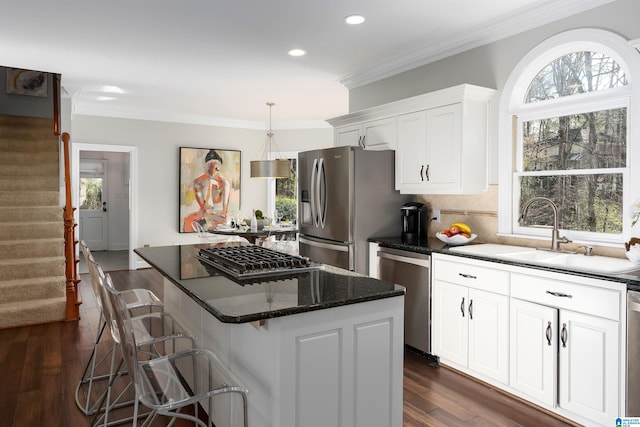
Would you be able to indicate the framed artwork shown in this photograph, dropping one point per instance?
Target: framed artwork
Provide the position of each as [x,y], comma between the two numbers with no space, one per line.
[209,187]
[26,82]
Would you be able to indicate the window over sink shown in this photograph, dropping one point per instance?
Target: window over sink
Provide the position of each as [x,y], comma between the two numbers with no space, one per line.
[567,133]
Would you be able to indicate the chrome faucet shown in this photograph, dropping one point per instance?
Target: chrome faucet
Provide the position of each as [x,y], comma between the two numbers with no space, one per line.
[555,234]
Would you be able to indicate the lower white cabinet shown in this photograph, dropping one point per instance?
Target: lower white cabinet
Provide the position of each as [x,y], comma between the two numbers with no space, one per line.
[588,371]
[533,349]
[470,327]
[552,338]
[565,359]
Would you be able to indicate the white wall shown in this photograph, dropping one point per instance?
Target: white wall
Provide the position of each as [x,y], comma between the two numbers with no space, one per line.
[491,65]
[158,157]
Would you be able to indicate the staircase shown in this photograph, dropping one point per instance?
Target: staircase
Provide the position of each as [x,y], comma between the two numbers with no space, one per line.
[32,262]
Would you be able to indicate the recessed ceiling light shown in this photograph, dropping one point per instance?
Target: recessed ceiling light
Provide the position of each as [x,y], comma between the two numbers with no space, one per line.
[354,19]
[297,52]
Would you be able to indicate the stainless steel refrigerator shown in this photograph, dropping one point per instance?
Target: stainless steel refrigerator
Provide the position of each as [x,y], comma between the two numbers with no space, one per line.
[345,196]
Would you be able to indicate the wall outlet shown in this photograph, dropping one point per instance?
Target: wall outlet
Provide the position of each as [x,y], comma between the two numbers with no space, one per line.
[435,215]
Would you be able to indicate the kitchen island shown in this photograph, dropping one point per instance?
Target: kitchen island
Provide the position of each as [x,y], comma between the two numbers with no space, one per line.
[320,347]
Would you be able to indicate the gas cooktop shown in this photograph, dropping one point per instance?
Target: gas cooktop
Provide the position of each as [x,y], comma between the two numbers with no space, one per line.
[254,261]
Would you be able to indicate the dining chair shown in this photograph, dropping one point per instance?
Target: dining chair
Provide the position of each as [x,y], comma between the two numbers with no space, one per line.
[169,383]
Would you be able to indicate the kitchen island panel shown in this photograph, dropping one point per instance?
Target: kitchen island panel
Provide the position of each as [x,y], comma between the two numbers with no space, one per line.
[338,366]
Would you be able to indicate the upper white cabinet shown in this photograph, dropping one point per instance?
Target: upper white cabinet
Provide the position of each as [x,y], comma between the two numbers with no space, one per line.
[440,138]
[373,135]
[443,149]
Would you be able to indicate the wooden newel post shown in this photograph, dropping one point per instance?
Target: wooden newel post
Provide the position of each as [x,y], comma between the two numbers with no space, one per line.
[71,270]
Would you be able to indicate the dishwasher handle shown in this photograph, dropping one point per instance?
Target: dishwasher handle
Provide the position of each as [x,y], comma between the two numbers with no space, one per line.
[415,261]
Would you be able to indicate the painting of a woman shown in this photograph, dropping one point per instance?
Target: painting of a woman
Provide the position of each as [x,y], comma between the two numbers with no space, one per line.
[211,190]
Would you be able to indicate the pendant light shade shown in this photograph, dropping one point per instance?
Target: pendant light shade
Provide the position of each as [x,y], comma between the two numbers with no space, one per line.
[278,168]
[270,168]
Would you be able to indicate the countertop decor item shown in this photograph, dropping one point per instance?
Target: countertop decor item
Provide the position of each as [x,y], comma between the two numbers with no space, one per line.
[633,250]
[455,240]
[276,168]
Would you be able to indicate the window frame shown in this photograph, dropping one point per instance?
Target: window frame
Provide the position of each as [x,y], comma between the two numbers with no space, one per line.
[271,182]
[513,112]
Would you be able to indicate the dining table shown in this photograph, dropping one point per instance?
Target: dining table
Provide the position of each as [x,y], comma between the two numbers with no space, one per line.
[260,235]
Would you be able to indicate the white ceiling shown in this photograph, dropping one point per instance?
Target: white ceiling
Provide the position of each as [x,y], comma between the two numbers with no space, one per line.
[221,61]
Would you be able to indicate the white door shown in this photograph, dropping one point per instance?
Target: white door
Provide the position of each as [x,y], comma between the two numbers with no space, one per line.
[489,334]
[444,142]
[450,326]
[411,151]
[348,136]
[534,346]
[589,377]
[94,211]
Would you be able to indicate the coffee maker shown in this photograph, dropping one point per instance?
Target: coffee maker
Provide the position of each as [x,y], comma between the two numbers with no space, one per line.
[414,222]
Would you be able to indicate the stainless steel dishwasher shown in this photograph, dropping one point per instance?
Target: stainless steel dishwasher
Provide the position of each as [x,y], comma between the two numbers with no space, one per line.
[633,354]
[413,271]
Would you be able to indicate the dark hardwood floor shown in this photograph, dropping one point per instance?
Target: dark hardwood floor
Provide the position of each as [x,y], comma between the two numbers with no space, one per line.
[42,364]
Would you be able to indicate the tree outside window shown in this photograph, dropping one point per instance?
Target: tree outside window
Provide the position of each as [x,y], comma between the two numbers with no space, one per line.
[572,150]
[286,194]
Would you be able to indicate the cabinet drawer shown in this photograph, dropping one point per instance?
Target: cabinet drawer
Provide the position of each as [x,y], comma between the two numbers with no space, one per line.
[566,295]
[472,275]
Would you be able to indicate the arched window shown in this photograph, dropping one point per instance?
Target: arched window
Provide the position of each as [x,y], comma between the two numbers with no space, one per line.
[568,134]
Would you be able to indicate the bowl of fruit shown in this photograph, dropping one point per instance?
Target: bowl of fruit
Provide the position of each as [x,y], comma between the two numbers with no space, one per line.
[457,234]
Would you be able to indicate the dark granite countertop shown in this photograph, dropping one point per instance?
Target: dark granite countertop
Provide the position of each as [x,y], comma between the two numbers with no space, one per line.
[432,244]
[236,301]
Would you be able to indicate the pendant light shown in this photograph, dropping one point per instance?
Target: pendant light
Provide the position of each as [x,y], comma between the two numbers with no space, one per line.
[278,168]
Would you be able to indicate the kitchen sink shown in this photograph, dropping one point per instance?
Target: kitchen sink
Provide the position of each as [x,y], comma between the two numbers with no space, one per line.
[570,261]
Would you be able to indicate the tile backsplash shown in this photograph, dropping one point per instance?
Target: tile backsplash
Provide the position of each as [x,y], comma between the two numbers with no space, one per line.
[480,211]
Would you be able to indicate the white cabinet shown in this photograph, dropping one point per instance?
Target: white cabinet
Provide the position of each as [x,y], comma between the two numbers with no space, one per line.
[443,150]
[565,344]
[562,333]
[534,345]
[372,135]
[470,325]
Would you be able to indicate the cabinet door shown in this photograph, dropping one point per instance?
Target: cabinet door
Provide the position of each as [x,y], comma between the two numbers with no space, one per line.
[380,134]
[450,333]
[348,135]
[443,147]
[488,315]
[589,359]
[533,347]
[411,151]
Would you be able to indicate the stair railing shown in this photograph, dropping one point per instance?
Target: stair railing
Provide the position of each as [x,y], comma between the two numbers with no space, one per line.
[71,258]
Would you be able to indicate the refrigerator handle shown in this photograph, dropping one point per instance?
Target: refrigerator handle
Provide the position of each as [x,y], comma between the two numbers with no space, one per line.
[314,169]
[322,183]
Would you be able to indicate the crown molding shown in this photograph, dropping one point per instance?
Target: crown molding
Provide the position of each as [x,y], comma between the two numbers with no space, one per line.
[635,43]
[133,114]
[531,17]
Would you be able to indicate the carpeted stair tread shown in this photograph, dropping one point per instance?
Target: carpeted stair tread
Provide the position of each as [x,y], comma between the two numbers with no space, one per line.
[43,310]
[28,159]
[30,268]
[19,171]
[29,198]
[28,183]
[35,288]
[31,230]
[32,248]
[19,214]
